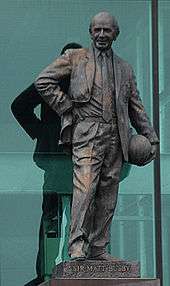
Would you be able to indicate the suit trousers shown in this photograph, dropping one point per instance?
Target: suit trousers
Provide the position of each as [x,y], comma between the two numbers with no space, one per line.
[50,208]
[97,162]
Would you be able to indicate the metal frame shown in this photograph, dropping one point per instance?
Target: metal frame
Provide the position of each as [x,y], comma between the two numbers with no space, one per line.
[157,169]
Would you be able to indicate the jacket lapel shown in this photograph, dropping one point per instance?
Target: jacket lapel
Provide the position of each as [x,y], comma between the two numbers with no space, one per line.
[90,69]
[117,74]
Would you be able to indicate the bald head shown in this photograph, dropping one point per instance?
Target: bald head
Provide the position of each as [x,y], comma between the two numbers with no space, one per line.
[105,17]
[104,30]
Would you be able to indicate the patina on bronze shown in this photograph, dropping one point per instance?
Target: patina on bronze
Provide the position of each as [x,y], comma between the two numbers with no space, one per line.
[102,100]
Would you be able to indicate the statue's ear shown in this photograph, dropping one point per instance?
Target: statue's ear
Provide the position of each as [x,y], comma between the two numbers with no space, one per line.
[90,32]
[116,34]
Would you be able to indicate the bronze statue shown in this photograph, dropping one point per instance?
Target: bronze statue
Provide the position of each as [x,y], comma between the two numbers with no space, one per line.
[101,102]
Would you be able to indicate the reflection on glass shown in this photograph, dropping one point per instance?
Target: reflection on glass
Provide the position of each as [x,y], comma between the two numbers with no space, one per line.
[37,32]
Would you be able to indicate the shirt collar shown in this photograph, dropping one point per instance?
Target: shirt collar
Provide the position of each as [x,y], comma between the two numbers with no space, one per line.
[97,52]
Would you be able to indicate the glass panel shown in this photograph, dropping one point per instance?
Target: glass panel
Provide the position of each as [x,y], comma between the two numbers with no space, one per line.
[164,93]
[133,227]
[32,34]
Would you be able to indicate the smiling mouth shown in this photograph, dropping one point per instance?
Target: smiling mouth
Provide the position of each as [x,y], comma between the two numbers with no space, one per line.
[102,42]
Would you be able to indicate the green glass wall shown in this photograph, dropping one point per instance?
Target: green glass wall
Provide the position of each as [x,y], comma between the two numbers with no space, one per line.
[133,227]
[32,34]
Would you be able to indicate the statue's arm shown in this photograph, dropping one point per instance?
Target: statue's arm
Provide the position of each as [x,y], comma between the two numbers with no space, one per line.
[47,84]
[137,114]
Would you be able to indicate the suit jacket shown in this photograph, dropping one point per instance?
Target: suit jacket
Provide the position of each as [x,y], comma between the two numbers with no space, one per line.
[79,66]
[45,129]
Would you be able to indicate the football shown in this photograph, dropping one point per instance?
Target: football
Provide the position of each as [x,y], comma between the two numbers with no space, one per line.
[139,149]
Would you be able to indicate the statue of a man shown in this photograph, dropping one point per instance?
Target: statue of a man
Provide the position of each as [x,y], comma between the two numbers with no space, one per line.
[102,100]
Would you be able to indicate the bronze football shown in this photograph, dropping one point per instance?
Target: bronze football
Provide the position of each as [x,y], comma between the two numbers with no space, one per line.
[139,149]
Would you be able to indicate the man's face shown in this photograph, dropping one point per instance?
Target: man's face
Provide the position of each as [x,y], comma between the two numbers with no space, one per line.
[102,32]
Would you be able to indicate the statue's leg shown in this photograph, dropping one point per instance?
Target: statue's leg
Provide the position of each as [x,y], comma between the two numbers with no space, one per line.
[106,197]
[87,163]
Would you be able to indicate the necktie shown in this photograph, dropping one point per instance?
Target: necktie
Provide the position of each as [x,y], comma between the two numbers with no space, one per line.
[106,88]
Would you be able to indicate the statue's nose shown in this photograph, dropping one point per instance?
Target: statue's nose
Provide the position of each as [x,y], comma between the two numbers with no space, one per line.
[101,33]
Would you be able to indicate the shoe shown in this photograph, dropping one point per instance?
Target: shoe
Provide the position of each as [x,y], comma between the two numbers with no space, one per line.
[104,257]
[76,251]
[77,258]
[35,282]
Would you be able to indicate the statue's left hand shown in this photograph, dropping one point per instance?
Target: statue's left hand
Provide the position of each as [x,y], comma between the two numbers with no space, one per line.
[152,155]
